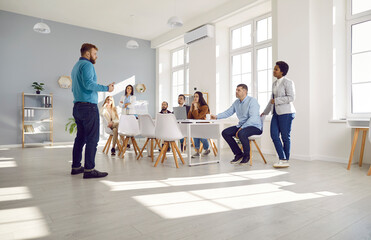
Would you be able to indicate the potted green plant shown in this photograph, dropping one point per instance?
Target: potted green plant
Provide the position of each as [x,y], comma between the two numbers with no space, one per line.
[38,87]
[71,126]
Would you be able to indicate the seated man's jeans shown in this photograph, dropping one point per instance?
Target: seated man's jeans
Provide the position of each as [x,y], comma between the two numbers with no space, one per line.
[87,120]
[243,135]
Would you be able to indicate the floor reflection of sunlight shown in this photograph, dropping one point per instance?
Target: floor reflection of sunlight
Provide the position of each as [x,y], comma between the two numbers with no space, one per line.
[6,164]
[199,202]
[23,223]
[215,178]
[14,193]
[4,149]
[6,159]
[59,146]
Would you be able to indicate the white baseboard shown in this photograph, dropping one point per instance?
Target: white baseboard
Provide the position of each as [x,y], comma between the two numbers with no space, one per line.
[313,157]
[41,144]
[330,159]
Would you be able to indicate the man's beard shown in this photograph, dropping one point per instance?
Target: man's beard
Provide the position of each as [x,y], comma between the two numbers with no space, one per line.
[92,60]
[164,109]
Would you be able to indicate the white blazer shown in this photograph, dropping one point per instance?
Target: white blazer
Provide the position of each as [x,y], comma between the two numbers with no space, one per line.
[130,109]
[283,101]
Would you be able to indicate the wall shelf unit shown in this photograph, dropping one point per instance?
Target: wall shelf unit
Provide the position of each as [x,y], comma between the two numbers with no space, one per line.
[37,118]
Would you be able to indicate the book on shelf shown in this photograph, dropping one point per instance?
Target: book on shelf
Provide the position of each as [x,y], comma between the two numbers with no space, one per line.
[47,102]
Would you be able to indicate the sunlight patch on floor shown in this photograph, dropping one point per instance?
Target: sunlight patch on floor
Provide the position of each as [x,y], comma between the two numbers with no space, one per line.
[23,223]
[59,146]
[6,164]
[199,202]
[186,181]
[14,193]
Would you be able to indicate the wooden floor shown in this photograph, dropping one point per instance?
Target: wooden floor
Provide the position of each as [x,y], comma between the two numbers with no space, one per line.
[39,199]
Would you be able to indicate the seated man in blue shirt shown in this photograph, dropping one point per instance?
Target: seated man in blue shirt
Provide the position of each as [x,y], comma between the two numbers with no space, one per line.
[247,111]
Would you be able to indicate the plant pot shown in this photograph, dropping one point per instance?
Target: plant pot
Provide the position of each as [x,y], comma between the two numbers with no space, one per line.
[37,92]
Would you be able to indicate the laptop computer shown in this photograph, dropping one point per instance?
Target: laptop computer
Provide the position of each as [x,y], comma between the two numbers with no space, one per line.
[180,113]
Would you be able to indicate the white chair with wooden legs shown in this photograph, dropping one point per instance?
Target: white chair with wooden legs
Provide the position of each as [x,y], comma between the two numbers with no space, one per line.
[128,129]
[168,130]
[253,138]
[109,140]
[147,129]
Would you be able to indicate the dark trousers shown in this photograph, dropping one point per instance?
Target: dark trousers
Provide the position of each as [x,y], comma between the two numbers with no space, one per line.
[87,120]
[281,125]
[243,135]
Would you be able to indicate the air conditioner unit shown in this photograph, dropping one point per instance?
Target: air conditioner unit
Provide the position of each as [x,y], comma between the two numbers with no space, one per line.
[199,33]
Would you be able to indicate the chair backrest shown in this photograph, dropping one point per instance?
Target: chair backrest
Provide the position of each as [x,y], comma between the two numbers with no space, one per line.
[105,126]
[369,133]
[146,126]
[128,125]
[167,128]
[262,118]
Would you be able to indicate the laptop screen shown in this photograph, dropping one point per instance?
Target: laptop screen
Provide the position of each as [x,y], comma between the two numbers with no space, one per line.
[180,113]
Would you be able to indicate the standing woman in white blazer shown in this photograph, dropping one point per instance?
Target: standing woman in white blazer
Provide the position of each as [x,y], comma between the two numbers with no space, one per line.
[282,108]
[127,101]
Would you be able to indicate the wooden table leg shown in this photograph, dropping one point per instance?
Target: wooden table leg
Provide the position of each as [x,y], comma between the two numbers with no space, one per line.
[362,146]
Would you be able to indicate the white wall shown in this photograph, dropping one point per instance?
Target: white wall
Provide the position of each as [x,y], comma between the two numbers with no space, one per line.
[163,80]
[222,68]
[307,45]
[202,69]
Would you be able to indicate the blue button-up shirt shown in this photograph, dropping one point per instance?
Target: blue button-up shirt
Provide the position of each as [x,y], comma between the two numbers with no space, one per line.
[247,112]
[84,82]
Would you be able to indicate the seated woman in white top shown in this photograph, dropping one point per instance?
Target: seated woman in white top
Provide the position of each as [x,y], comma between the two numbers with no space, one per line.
[127,101]
[111,120]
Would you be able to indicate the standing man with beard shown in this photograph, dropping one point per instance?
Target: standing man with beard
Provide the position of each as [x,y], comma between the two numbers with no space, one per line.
[85,111]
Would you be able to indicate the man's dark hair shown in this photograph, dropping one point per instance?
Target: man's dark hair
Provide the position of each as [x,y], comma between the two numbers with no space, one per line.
[244,86]
[284,67]
[87,47]
[182,95]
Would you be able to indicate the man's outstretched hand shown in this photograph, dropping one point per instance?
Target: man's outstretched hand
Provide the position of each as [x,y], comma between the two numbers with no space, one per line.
[111,87]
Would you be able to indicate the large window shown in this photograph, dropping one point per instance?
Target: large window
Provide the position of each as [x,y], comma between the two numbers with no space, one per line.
[180,73]
[359,32]
[251,58]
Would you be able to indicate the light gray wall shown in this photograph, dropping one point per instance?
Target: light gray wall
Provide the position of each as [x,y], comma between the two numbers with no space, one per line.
[27,56]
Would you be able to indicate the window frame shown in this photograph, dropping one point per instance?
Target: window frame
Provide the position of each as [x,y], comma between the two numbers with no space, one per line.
[184,67]
[352,20]
[253,47]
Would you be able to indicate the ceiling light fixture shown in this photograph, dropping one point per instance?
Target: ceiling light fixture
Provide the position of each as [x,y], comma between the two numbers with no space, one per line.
[41,28]
[174,21]
[132,44]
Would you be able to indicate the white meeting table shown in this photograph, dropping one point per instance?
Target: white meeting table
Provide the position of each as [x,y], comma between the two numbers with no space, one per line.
[201,129]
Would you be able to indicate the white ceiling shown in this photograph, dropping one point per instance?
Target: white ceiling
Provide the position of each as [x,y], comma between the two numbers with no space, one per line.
[148,21]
